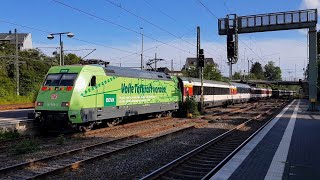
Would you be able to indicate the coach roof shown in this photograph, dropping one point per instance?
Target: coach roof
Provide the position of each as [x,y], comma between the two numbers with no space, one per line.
[135,73]
[204,81]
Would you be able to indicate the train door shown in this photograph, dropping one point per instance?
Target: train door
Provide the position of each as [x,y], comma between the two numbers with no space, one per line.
[92,85]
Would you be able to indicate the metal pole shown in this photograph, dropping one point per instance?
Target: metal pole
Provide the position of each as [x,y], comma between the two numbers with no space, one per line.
[279,61]
[248,71]
[155,61]
[141,48]
[17,62]
[60,50]
[171,66]
[62,54]
[295,71]
[312,77]
[230,66]
[198,49]
[202,98]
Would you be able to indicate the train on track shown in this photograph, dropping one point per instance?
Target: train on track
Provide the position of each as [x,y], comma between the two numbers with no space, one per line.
[82,96]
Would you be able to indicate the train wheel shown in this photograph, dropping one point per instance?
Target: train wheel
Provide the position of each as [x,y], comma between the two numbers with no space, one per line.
[169,113]
[159,115]
[86,128]
[114,122]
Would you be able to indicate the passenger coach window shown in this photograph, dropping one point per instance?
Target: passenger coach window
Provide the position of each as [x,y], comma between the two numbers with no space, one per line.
[93,81]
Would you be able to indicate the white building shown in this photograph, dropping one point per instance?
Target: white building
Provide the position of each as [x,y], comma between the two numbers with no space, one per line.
[24,40]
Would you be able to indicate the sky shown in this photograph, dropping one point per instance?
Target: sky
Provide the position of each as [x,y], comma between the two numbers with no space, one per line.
[114,27]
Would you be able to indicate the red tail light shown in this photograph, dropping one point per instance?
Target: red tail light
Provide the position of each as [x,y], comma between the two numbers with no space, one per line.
[69,88]
[44,88]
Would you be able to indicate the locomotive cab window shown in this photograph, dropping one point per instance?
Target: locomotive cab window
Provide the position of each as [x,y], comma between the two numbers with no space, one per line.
[93,81]
[67,79]
[60,79]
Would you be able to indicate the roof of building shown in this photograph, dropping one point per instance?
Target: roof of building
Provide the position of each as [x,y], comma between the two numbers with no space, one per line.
[192,62]
[11,37]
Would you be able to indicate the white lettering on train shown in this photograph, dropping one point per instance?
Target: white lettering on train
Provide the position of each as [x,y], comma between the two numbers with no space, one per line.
[109,99]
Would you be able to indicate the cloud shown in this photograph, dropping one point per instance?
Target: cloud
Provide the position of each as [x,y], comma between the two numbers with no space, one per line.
[310,4]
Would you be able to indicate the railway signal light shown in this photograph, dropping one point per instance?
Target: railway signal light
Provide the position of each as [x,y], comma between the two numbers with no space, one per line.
[231,49]
[201,58]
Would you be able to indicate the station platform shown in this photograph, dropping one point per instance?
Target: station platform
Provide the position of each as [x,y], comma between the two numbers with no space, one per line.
[16,120]
[287,148]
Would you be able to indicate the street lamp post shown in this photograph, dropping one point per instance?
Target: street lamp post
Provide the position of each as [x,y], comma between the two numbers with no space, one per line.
[141,47]
[51,36]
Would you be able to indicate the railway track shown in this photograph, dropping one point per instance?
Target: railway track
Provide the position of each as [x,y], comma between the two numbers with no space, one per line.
[234,111]
[204,161]
[5,144]
[73,159]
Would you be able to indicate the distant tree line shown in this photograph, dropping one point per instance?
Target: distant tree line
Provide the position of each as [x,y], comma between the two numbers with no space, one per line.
[269,72]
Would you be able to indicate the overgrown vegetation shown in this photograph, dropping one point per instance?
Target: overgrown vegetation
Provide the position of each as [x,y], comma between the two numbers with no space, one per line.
[6,135]
[190,108]
[60,139]
[25,146]
[33,66]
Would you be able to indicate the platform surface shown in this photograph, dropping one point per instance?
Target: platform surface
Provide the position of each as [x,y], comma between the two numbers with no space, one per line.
[287,148]
[16,119]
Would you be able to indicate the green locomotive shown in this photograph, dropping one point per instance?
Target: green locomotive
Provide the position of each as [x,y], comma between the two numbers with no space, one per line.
[84,95]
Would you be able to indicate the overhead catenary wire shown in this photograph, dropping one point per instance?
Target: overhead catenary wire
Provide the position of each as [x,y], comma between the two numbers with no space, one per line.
[154,47]
[118,25]
[147,21]
[218,19]
[74,38]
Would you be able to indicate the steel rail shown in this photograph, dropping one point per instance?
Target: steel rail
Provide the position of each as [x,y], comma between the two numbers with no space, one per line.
[74,165]
[181,160]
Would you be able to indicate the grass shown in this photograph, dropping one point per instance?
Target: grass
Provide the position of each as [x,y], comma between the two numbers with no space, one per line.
[60,139]
[7,135]
[26,146]
[16,100]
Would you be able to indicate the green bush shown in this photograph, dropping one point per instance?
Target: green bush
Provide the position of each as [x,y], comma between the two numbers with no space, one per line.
[25,146]
[60,139]
[5,135]
[190,106]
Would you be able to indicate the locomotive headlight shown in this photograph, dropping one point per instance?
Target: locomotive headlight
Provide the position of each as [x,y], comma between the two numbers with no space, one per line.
[65,104]
[38,103]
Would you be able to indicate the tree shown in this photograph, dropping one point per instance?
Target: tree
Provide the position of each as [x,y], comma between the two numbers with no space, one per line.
[210,72]
[237,75]
[33,66]
[71,59]
[272,72]
[191,72]
[257,70]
